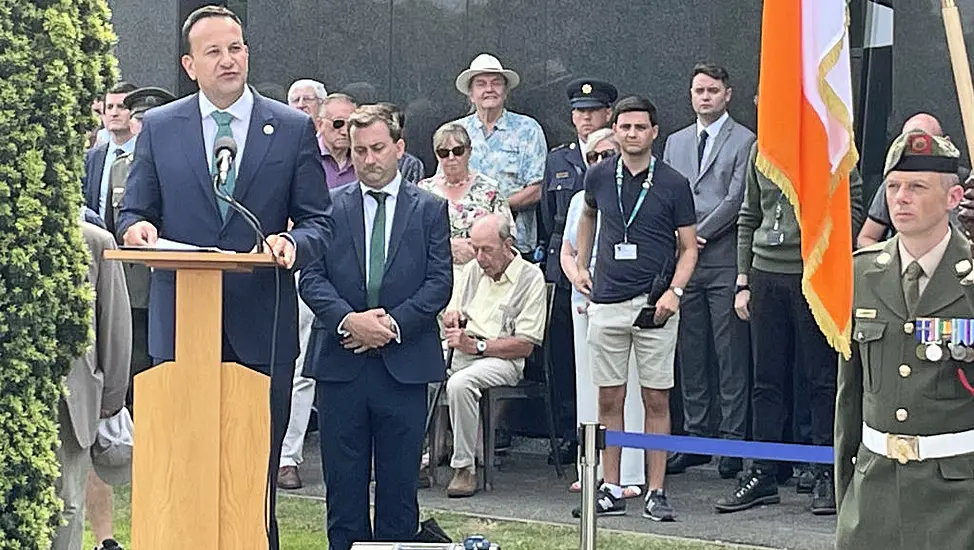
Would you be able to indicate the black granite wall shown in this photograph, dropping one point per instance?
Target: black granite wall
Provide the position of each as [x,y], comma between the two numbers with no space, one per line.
[410,51]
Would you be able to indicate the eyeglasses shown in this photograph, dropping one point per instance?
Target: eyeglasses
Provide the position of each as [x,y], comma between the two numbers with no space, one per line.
[457,151]
[595,157]
[304,99]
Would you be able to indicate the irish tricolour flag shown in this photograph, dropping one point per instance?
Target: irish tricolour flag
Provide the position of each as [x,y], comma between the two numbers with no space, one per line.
[806,146]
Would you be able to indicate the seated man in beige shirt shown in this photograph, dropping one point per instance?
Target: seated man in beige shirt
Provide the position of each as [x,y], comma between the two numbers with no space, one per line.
[502,298]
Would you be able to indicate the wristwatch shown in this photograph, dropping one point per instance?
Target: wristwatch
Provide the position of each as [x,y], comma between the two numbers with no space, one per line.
[677,290]
[741,288]
[481,346]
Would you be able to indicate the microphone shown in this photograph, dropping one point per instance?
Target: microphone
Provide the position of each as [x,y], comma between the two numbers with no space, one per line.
[225,150]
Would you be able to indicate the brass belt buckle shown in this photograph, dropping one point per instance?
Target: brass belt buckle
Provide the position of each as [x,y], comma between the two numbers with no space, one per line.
[903,448]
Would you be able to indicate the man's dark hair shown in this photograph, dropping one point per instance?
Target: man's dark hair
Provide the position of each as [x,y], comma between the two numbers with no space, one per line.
[712,70]
[634,104]
[396,112]
[120,88]
[204,13]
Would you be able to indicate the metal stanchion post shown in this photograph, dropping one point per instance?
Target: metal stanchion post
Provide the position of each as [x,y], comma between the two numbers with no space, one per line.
[592,438]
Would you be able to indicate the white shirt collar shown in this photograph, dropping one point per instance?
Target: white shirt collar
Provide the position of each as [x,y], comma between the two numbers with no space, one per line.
[714,128]
[392,187]
[928,261]
[240,109]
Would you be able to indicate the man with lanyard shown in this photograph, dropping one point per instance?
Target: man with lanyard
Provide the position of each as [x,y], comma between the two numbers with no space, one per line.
[591,102]
[648,225]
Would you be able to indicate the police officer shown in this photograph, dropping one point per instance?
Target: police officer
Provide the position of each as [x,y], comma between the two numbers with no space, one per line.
[591,100]
[904,430]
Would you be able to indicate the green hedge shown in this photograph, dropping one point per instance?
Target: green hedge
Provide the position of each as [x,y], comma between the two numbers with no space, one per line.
[55,56]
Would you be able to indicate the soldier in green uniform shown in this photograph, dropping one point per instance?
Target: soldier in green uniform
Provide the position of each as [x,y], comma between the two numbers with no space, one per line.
[904,428]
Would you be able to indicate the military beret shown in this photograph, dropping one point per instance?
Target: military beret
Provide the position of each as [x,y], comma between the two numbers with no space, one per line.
[590,93]
[143,99]
[918,151]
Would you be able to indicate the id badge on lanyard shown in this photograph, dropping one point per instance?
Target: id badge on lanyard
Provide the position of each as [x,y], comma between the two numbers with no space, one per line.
[626,250]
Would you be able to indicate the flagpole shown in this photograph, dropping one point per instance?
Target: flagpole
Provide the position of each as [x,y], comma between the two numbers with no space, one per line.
[962,69]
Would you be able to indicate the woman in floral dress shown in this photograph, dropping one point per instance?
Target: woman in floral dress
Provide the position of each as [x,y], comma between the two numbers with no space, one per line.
[471,194]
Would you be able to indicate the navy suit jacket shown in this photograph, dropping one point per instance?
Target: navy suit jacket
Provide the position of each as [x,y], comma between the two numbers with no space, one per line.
[279,178]
[416,286]
[94,166]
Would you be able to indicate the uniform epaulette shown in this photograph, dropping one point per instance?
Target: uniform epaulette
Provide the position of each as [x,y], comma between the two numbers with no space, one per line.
[569,145]
[873,248]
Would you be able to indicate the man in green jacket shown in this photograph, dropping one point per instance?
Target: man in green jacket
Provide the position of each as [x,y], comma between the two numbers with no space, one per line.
[904,427]
[794,366]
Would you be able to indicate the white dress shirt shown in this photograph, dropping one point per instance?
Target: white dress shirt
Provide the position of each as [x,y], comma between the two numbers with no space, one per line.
[241,111]
[370,206]
[110,156]
[712,130]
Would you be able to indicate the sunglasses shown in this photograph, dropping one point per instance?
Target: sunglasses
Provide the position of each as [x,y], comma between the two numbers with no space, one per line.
[595,157]
[457,151]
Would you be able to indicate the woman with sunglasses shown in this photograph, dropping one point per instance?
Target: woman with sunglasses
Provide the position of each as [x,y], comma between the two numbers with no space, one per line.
[601,145]
[470,194]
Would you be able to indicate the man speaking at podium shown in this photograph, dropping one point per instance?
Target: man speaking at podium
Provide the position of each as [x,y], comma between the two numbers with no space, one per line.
[277,174]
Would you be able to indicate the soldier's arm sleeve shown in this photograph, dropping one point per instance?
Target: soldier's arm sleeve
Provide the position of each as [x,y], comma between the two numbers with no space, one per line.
[848,420]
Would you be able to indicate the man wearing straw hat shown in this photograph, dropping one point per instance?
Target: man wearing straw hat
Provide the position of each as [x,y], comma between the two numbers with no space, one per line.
[506,146]
[904,428]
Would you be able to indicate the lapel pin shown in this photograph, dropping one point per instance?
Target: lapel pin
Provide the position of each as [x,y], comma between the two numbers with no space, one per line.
[268,129]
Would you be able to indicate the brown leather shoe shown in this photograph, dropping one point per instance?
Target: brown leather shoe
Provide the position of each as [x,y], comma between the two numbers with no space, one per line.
[287,478]
[463,484]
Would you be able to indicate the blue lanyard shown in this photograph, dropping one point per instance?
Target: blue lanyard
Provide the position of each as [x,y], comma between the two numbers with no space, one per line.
[647,184]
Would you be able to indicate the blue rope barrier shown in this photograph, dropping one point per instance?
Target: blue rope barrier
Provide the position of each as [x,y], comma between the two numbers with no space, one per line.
[785,452]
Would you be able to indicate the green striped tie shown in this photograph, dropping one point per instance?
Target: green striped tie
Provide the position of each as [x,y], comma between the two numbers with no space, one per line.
[223,130]
[377,249]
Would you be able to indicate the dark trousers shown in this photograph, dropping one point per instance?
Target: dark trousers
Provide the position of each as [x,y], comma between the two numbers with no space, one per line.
[140,349]
[562,350]
[371,416]
[713,346]
[789,349]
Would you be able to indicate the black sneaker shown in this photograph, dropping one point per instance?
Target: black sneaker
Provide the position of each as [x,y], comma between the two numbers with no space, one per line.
[605,505]
[806,479]
[502,442]
[752,489]
[109,544]
[657,508]
[823,495]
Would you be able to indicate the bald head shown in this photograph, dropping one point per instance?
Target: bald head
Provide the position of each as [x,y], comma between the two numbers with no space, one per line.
[491,240]
[925,122]
[491,226]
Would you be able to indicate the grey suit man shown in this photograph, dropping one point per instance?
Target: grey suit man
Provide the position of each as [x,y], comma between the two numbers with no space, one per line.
[96,384]
[712,153]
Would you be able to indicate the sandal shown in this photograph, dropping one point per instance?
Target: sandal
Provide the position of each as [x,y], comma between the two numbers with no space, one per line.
[632,491]
[576,486]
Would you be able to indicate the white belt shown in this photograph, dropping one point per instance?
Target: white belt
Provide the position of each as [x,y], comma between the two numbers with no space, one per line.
[906,448]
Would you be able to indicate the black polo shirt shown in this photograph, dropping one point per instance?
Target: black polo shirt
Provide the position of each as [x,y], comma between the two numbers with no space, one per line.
[668,205]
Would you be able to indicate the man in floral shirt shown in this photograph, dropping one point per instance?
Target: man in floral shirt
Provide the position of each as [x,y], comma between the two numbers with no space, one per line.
[507,146]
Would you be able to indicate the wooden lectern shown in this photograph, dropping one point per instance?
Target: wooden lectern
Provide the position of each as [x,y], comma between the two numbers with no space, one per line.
[202,438]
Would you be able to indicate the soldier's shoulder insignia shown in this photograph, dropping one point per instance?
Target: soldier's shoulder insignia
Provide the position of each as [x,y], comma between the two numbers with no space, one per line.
[871,249]
[562,147]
